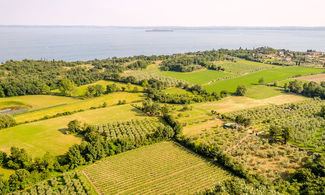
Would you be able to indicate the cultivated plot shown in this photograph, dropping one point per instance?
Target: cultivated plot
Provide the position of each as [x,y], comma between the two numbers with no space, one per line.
[156,169]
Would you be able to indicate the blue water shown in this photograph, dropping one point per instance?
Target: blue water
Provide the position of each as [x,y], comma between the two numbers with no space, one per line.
[85,43]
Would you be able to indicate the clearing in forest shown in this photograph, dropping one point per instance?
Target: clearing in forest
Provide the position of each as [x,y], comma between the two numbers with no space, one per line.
[161,168]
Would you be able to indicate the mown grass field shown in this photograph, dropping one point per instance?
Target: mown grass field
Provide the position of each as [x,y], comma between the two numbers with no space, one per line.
[198,77]
[269,75]
[47,135]
[263,91]
[57,107]
[162,168]
[241,66]
[36,101]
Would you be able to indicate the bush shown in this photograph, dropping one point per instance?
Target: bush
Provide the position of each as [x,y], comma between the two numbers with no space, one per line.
[6,121]
[241,90]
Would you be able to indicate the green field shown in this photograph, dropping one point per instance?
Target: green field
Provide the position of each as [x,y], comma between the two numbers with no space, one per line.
[56,107]
[198,77]
[40,137]
[252,79]
[241,66]
[162,168]
[263,91]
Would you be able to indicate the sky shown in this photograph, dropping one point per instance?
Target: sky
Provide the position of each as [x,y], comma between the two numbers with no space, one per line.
[163,12]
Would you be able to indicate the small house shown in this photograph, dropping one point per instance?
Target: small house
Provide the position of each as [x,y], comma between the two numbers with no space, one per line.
[230,125]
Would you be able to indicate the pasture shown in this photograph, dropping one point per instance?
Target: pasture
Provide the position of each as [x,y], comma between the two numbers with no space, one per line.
[48,135]
[162,168]
[269,75]
[197,77]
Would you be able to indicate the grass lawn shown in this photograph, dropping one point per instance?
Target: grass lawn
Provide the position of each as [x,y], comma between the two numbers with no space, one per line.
[198,77]
[42,136]
[241,66]
[162,168]
[110,99]
[263,91]
[269,75]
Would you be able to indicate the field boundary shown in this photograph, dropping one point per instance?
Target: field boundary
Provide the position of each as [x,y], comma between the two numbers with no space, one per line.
[91,182]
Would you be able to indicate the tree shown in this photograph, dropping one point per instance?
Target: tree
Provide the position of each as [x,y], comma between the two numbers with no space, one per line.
[66,87]
[95,90]
[241,90]
[242,120]
[6,121]
[19,180]
[223,93]
[74,126]
[275,131]
[111,88]
[287,134]
[261,80]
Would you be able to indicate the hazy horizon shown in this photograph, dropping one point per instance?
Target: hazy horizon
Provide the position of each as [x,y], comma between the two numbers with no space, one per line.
[187,13]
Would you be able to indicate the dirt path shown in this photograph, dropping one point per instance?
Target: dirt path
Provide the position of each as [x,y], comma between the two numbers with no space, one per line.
[175,173]
[97,190]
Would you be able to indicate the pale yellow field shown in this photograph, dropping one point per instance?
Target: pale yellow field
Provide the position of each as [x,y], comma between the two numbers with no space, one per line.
[195,129]
[234,103]
[110,99]
[317,78]
[40,101]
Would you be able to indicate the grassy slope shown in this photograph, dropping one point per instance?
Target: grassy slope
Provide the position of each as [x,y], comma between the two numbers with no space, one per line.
[268,75]
[42,136]
[198,77]
[110,99]
[161,168]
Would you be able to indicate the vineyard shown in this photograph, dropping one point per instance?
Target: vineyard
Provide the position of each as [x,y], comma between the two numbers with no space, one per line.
[302,117]
[68,183]
[156,169]
[134,129]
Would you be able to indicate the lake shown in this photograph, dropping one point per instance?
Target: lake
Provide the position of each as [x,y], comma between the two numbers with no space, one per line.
[85,43]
